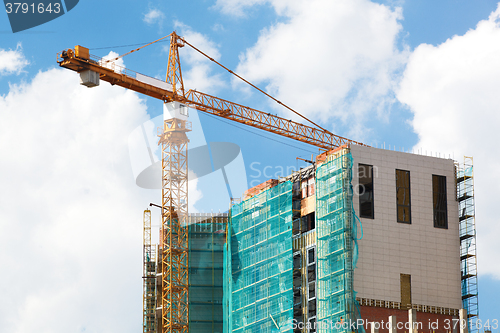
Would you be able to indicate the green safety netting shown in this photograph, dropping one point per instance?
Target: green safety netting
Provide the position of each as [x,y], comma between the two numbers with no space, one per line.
[258,285]
[206,242]
[336,242]
[258,263]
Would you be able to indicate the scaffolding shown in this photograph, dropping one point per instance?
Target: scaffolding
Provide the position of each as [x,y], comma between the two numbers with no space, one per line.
[467,226]
[336,244]
[149,277]
[258,294]
[207,236]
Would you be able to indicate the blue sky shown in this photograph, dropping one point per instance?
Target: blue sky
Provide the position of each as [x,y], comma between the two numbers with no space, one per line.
[421,75]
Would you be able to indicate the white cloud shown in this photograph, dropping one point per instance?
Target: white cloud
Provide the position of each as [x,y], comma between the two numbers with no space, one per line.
[329,60]
[199,74]
[71,217]
[154,16]
[195,194]
[218,27]
[12,61]
[109,62]
[237,7]
[452,90]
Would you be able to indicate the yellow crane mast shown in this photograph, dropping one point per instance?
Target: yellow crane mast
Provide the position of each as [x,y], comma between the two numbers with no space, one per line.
[173,139]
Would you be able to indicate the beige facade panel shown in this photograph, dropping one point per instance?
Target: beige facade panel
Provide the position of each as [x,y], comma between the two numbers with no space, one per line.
[308,205]
[430,255]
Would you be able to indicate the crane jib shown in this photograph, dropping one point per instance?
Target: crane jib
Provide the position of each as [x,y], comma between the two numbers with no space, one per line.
[121,76]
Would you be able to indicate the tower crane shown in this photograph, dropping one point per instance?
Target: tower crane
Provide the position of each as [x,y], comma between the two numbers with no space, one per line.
[174,250]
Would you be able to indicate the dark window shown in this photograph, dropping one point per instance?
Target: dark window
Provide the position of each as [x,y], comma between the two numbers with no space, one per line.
[312,290]
[311,282]
[365,175]
[439,202]
[297,261]
[297,296]
[311,272]
[297,287]
[307,222]
[311,256]
[403,196]
[311,308]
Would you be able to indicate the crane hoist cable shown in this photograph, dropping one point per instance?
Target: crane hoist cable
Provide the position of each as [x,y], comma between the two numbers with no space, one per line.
[255,133]
[262,91]
[137,49]
[117,46]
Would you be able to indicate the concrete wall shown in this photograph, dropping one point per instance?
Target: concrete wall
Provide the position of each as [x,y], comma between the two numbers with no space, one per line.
[388,248]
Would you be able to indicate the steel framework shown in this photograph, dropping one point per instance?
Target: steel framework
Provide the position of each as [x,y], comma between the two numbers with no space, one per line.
[149,277]
[467,225]
[174,73]
[175,243]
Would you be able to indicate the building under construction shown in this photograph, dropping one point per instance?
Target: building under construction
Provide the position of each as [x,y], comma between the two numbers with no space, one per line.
[363,233]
